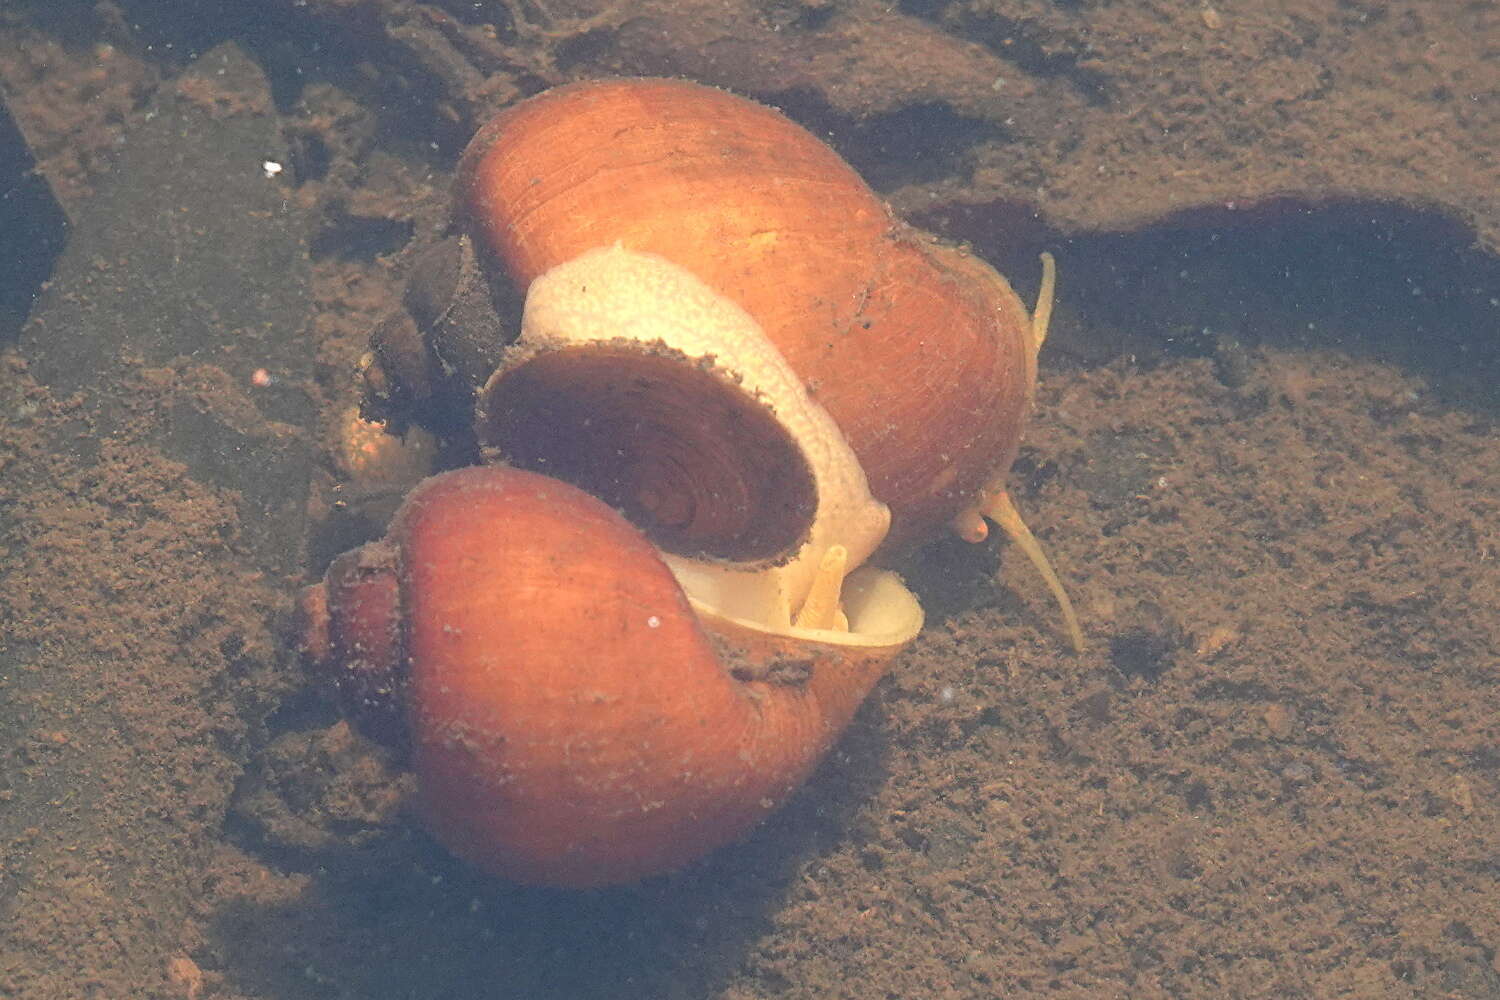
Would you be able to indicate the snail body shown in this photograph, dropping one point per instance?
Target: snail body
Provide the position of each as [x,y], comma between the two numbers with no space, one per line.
[737,381]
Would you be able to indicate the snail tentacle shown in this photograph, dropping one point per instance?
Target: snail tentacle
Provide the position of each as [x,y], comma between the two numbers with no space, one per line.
[1003,512]
[821,608]
[1041,316]
[995,503]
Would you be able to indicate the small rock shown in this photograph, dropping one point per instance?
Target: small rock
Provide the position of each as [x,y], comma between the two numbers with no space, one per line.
[1297,774]
[1278,720]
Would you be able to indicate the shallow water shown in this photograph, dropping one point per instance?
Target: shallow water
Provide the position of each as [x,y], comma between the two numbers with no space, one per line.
[1263,458]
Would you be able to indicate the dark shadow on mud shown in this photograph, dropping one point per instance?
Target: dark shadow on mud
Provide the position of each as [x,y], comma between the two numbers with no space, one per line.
[1374,279]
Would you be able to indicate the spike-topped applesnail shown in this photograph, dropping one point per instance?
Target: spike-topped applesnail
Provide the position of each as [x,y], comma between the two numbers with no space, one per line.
[727,339]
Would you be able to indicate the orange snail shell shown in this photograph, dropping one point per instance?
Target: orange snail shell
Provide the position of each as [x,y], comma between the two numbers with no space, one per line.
[921,353]
[573,719]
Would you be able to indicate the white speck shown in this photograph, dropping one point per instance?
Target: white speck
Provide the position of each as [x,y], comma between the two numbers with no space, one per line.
[271,168]
[947,694]
[653,622]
